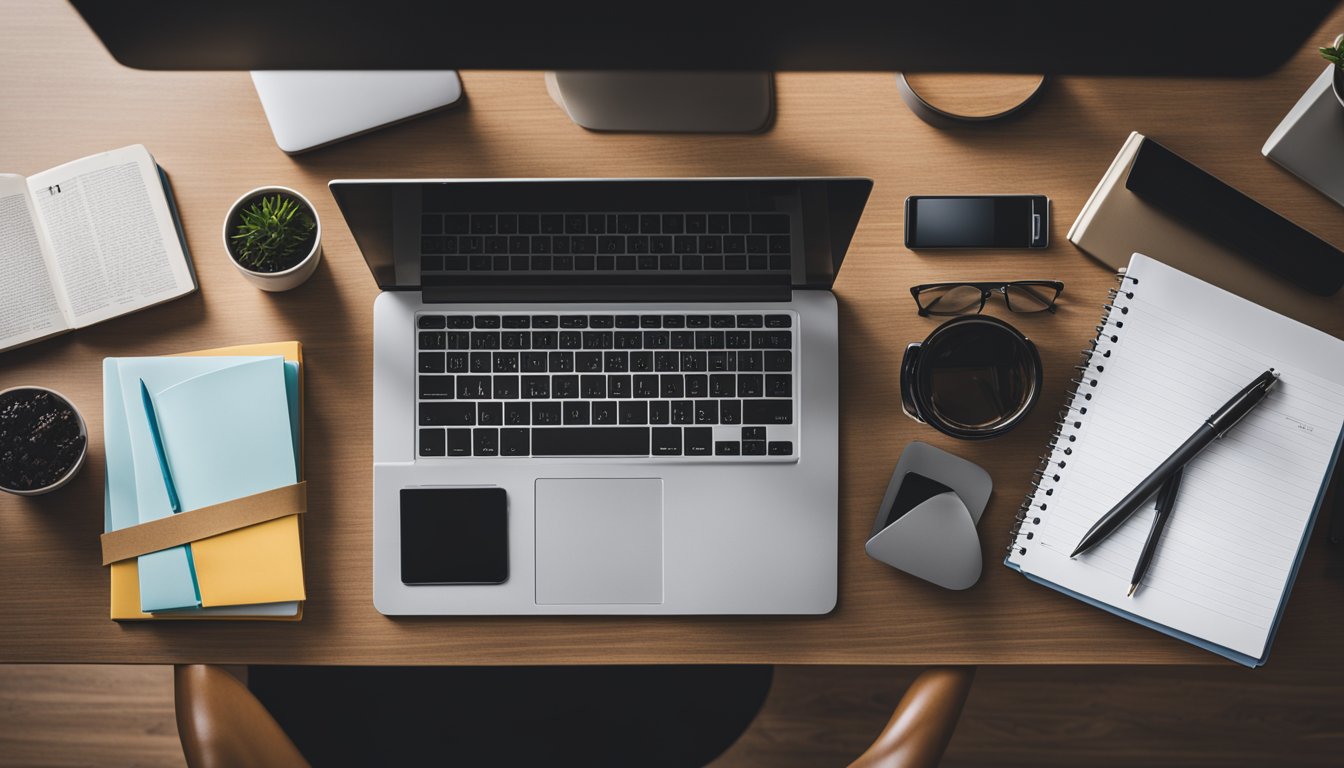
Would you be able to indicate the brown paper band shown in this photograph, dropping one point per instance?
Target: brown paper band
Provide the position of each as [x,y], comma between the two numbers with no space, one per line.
[186,527]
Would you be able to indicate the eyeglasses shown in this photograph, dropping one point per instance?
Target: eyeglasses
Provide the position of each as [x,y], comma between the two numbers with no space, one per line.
[1024,296]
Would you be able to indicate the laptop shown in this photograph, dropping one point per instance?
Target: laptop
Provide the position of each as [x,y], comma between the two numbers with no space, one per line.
[604,396]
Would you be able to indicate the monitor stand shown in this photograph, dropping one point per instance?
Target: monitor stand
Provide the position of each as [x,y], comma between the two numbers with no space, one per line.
[311,109]
[671,102]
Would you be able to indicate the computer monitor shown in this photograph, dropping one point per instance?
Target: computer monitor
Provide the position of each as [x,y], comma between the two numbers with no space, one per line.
[587,40]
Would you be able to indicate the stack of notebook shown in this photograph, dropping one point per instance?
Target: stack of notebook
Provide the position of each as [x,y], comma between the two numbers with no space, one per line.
[193,431]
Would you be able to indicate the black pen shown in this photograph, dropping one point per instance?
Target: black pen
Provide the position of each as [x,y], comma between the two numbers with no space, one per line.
[1213,427]
[1166,501]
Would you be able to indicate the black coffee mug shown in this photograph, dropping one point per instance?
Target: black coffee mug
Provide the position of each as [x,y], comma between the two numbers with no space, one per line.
[974,377]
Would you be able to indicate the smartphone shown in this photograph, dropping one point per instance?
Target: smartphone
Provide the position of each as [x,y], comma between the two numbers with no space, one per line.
[977,221]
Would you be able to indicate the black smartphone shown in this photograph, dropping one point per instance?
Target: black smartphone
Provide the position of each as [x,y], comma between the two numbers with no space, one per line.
[977,221]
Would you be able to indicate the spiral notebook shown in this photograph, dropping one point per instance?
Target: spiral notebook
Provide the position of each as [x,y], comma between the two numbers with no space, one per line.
[1169,351]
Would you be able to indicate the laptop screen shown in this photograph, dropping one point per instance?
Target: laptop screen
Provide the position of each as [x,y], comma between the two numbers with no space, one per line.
[693,238]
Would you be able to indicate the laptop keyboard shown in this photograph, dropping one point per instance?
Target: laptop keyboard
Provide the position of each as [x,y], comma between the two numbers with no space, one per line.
[605,242]
[588,384]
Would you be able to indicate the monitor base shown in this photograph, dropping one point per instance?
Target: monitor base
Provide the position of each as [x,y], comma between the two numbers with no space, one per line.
[666,102]
[311,109]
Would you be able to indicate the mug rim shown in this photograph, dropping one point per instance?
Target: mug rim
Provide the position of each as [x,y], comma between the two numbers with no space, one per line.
[915,384]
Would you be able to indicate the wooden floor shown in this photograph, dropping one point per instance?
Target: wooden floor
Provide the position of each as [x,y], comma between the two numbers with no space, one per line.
[815,716]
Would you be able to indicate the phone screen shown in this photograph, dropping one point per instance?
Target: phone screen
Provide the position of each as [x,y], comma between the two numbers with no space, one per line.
[975,222]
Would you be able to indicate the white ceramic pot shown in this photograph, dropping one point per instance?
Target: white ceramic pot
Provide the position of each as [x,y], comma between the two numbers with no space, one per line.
[74,470]
[289,278]
[1338,82]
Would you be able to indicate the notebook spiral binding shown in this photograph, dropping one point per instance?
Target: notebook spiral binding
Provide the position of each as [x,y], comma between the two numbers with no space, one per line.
[1090,367]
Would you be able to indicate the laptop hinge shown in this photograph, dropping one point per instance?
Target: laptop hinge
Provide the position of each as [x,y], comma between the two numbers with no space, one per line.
[540,294]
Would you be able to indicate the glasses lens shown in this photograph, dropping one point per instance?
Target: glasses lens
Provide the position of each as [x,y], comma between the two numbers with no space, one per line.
[1024,297]
[951,299]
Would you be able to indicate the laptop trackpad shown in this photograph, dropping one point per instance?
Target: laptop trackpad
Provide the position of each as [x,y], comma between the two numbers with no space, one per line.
[599,541]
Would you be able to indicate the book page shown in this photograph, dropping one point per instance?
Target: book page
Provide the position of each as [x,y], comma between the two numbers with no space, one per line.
[29,308]
[112,235]
[1223,567]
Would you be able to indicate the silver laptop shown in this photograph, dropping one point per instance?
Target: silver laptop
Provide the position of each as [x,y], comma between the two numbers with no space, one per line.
[605,396]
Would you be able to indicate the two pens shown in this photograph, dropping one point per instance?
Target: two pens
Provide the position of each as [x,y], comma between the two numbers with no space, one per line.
[1165,481]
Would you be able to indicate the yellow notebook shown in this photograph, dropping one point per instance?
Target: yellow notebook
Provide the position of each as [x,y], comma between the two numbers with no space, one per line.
[258,564]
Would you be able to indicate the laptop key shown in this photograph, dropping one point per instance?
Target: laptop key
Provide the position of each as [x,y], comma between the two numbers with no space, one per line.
[697,386]
[576,412]
[780,448]
[627,321]
[562,362]
[480,362]
[486,441]
[727,448]
[545,413]
[771,339]
[667,441]
[699,441]
[436,387]
[459,442]
[672,386]
[564,386]
[430,321]
[616,362]
[750,385]
[489,414]
[456,362]
[513,442]
[447,414]
[778,385]
[505,362]
[517,414]
[536,388]
[591,441]
[707,412]
[633,412]
[533,362]
[604,412]
[646,386]
[682,413]
[506,387]
[730,412]
[588,362]
[779,361]
[641,361]
[778,321]
[430,362]
[433,442]
[753,447]
[659,412]
[767,412]
[545,321]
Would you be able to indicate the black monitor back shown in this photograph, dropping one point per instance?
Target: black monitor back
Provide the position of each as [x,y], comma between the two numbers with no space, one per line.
[1138,37]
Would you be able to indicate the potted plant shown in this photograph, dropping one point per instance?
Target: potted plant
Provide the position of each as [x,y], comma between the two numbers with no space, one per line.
[1335,55]
[42,441]
[274,238]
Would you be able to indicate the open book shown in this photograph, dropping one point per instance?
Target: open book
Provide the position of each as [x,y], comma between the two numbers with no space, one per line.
[85,242]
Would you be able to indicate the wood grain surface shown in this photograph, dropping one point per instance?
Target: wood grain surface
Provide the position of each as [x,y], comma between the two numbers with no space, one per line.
[64,97]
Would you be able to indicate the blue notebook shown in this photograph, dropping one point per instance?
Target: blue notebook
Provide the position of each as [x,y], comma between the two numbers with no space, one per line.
[1170,351]
[135,491]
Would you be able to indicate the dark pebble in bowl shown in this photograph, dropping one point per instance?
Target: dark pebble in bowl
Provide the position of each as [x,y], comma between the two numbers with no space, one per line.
[40,439]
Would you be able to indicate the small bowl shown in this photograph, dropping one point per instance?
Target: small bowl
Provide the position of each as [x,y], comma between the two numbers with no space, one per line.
[83,433]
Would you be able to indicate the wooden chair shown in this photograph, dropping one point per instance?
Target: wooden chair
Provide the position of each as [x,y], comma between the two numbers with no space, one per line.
[222,723]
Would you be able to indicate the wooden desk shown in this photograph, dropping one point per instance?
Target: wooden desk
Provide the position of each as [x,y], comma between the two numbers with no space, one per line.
[63,97]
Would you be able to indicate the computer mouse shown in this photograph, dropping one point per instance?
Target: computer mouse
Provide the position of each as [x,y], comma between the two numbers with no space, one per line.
[935,540]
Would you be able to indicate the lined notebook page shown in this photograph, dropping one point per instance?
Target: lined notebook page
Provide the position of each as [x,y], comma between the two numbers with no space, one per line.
[1173,353]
